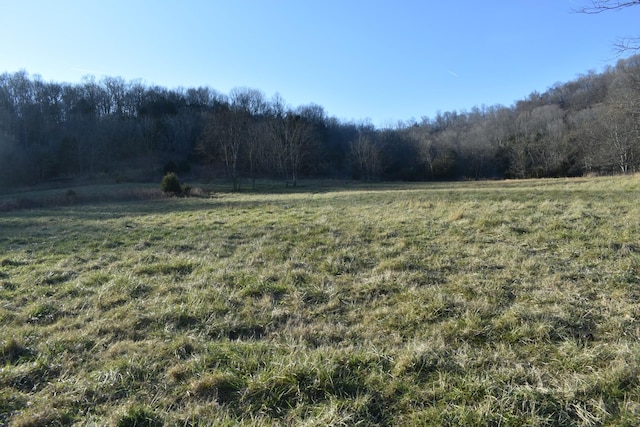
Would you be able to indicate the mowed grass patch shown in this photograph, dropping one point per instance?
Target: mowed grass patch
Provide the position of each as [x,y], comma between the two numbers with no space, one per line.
[480,303]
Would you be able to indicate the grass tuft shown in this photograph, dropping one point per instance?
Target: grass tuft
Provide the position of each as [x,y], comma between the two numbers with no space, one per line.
[139,416]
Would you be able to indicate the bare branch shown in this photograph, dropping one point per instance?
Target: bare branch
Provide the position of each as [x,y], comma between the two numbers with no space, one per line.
[623,44]
[600,6]
[626,44]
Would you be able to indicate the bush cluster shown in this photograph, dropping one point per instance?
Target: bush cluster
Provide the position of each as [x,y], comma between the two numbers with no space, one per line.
[171,185]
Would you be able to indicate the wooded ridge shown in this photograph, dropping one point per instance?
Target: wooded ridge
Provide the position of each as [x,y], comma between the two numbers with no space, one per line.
[127,130]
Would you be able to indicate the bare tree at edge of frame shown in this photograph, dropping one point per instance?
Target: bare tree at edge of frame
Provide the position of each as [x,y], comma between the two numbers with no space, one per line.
[623,44]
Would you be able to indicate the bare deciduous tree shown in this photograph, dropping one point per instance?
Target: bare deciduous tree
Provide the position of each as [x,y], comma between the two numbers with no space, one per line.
[366,156]
[253,107]
[222,139]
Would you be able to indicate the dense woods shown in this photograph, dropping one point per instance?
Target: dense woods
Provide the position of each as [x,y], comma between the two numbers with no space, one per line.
[126,130]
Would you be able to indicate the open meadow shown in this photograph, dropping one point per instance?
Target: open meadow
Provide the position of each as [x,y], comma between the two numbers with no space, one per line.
[506,303]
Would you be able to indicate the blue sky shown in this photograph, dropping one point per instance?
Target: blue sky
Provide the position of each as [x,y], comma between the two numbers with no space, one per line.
[360,59]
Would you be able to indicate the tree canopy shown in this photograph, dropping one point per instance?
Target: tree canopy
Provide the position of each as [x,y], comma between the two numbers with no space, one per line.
[115,129]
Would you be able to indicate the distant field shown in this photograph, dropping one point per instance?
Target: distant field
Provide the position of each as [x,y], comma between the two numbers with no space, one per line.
[511,303]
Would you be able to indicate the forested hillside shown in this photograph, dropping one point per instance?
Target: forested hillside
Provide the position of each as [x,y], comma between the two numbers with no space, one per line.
[126,130]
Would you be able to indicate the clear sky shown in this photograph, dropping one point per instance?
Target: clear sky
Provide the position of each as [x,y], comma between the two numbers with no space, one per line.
[385,60]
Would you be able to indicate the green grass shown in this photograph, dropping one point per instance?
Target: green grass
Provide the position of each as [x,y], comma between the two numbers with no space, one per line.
[510,303]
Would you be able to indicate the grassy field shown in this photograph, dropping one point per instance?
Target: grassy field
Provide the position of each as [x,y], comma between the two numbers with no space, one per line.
[510,303]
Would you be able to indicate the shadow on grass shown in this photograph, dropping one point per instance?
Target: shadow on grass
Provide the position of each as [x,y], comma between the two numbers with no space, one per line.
[148,198]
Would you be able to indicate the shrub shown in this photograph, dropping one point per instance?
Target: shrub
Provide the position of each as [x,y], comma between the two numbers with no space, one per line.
[171,183]
[194,192]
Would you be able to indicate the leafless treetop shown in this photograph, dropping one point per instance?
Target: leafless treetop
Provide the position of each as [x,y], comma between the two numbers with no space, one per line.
[599,6]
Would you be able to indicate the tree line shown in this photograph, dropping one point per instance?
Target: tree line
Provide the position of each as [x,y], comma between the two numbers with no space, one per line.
[116,128]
